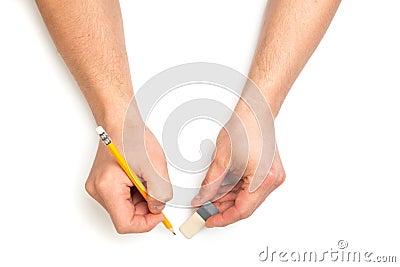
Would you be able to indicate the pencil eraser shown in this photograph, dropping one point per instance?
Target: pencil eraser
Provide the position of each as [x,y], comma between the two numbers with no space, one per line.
[99,130]
[197,221]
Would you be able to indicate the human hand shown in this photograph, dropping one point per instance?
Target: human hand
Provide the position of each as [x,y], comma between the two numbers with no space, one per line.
[243,153]
[110,186]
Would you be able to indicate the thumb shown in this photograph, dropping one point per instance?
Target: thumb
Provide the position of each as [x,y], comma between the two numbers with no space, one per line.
[212,182]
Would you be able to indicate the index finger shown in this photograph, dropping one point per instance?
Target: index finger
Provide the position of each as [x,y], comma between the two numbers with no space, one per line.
[231,211]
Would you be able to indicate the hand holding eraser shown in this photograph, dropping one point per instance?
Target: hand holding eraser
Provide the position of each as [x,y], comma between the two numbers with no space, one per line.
[197,221]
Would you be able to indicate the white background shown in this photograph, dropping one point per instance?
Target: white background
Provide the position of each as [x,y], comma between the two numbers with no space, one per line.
[338,134]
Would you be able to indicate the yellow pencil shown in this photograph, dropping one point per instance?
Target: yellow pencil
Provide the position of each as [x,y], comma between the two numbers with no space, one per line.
[124,165]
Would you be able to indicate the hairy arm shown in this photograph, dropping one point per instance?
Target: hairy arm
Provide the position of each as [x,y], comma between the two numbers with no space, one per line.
[290,33]
[89,36]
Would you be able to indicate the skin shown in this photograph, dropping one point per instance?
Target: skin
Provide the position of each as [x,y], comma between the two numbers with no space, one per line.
[90,37]
[290,34]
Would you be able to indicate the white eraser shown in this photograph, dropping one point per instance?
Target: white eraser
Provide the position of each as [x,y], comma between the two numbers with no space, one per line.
[100,130]
[197,221]
[192,225]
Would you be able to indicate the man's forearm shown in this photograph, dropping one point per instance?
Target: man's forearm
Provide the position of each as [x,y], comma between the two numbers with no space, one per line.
[89,36]
[290,33]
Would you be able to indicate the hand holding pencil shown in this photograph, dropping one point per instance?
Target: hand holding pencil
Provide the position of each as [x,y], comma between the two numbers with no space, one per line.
[127,169]
[112,188]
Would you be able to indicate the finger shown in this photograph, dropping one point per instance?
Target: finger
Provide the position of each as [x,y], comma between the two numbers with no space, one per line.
[143,223]
[227,190]
[140,203]
[244,205]
[118,203]
[141,208]
[159,188]
[131,219]
[230,215]
[231,196]
[212,182]
[136,196]
[223,206]
[274,178]
[155,173]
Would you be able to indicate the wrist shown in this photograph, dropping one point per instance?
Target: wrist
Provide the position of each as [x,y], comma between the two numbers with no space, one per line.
[112,120]
[273,89]
[114,115]
[274,99]
[264,100]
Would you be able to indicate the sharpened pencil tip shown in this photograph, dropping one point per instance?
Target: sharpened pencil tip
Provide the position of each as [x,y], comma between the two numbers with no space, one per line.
[172,230]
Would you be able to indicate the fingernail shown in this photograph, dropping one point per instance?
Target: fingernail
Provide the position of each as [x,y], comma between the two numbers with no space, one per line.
[196,200]
[159,207]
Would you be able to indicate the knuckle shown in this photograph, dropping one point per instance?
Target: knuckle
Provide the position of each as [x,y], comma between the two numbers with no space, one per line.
[208,180]
[121,229]
[89,187]
[217,171]
[160,194]
[164,199]
[168,196]
[102,183]
[244,214]
[277,177]
[281,178]
[221,162]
